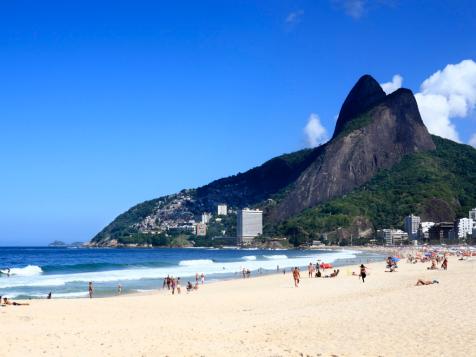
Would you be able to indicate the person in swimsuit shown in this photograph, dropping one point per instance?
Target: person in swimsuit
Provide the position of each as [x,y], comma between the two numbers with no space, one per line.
[8,302]
[444,265]
[363,272]
[173,285]
[296,276]
[90,289]
[426,282]
[178,286]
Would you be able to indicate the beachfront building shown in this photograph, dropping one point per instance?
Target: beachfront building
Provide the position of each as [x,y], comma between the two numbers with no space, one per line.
[222,209]
[206,217]
[249,225]
[472,215]
[412,223]
[424,231]
[440,232]
[392,236]
[464,227]
[201,229]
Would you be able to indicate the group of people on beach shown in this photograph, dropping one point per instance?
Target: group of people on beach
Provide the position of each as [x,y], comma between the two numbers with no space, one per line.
[314,270]
[173,284]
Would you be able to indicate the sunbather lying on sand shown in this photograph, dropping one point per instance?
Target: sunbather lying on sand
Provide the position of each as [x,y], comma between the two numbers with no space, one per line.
[333,275]
[426,282]
[8,302]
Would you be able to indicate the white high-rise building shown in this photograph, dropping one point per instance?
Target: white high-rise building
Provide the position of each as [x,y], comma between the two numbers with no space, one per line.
[472,215]
[464,227]
[392,236]
[411,224]
[222,210]
[206,217]
[425,229]
[249,225]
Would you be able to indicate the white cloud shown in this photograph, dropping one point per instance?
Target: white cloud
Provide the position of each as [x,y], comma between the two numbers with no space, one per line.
[472,140]
[435,112]
[390,87]
[353,8]
[315,132]
[294,17]
[446,94]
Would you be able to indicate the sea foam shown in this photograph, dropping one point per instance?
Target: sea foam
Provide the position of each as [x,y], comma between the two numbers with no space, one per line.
[195,262]
[29,270]
[185,268]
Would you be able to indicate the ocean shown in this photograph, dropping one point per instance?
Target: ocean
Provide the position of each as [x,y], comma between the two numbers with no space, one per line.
[36,271]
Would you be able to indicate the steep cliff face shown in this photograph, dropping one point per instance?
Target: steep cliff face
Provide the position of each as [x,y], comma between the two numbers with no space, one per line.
[377,139]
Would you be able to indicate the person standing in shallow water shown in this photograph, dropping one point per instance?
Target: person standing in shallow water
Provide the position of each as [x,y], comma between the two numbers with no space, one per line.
[363,272]
[90,289]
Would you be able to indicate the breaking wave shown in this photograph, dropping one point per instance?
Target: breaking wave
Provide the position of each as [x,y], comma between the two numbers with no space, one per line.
[29,270]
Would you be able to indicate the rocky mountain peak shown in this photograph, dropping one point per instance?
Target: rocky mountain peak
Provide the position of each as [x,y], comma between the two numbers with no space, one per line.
[365,94]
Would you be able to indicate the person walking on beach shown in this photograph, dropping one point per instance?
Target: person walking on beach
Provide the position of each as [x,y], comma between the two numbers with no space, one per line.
[296,276]
[309,270]
[203,278]
[363,272]
[444,265]
[172,283]
[90,289]
[178,286]
[119,289]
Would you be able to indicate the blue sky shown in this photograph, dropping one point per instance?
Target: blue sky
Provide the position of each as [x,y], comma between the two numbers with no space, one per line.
[104,104]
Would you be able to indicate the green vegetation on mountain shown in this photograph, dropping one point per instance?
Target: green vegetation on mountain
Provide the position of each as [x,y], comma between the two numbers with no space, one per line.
[418,184]
[358,182]
[241,190]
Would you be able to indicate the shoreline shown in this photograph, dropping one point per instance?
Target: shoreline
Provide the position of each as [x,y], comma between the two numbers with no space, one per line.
[360,256]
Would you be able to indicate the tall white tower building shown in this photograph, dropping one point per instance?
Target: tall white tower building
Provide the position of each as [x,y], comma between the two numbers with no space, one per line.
[249,225]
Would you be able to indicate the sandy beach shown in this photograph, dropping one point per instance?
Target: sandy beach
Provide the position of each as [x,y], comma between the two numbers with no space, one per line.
[266,316]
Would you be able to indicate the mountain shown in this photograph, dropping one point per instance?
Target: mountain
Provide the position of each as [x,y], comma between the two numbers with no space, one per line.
[375,139]
[380,165]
